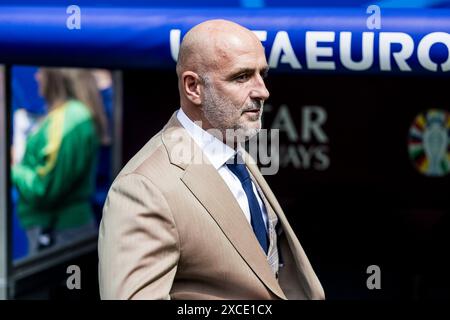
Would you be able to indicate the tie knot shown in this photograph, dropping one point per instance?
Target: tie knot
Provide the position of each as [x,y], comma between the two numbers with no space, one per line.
[238,167]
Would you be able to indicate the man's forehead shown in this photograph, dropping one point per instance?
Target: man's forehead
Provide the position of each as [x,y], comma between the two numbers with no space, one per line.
[239,42]
[241,54]
[244,61]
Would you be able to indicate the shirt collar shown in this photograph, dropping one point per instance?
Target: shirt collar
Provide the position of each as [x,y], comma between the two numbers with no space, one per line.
[215,150]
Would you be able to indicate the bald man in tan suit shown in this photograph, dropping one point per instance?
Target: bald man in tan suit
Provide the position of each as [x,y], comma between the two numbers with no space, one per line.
[180,222]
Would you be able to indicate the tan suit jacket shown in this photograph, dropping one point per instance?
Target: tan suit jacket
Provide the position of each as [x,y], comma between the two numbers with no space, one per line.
[171,229]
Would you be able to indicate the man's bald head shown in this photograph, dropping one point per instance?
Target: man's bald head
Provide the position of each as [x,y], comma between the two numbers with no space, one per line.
[221,69]
[206,45]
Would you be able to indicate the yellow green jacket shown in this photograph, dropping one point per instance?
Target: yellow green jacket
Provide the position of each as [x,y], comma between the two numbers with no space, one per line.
[55,179]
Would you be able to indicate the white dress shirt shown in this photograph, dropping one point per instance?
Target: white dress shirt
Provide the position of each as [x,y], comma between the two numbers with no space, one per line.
[218,153]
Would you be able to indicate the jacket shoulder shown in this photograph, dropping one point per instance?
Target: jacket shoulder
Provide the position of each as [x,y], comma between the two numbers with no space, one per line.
[151,161]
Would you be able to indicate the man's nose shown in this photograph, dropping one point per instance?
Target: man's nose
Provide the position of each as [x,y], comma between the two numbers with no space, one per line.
[259,90]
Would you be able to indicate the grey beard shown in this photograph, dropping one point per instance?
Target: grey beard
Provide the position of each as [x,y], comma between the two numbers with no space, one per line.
[218,110]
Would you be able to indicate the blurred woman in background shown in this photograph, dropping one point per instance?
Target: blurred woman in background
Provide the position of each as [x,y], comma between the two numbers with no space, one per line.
[56,177]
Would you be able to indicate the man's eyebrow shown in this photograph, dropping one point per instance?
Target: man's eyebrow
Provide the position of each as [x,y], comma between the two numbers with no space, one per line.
[248,70]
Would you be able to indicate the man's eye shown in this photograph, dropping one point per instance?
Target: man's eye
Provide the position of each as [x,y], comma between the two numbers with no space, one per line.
[241,77]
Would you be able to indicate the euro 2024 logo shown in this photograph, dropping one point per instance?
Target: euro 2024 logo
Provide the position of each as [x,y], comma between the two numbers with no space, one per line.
[429,142]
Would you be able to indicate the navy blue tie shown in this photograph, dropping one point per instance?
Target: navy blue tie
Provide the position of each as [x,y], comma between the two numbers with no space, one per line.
[257,222]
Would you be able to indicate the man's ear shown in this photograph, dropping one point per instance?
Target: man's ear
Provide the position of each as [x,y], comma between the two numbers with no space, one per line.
[191,85]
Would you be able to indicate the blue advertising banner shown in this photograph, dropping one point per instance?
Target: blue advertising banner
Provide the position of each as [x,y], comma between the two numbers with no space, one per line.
[350,40]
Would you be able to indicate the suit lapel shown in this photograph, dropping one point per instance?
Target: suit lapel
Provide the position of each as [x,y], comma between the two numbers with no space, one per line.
[205,183]
[270,197]
[311,285]
[212,192]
